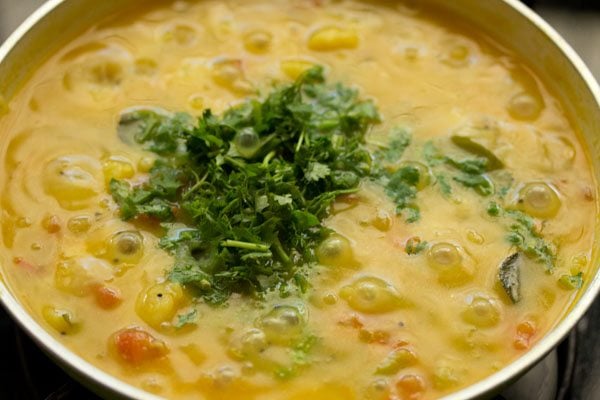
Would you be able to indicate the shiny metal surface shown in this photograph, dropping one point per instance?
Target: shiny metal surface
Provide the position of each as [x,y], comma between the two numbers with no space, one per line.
[507,21]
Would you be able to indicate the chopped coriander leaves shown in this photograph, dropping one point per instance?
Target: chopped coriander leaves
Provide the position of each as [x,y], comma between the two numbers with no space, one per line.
[471,145]
[493,209]
[523,234]
[300,357]
[401,187]
[480,183]
[571,282]
[414,245]
[188,318]
[242,195]
[399,141]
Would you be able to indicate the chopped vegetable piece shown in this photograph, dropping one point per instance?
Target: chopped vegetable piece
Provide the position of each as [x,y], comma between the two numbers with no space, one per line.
[395,361]
[411,387]
[402,189]
[332,38]
[300,356]
[469,144]
[523,234]
[414,245]
[188,318]
[493,209]
[107,297]
[136,346]
[399,141]
[509,275]
[571,282]
[63,321]
[525,332]
[480,183]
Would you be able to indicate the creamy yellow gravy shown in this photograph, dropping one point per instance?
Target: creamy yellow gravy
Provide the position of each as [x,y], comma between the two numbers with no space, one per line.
[59,148]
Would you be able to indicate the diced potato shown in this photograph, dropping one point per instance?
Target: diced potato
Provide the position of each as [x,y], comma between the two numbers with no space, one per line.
[377,390]
[145,164]
[194,353]
[475,237]
[51,224]
[229,74]
[333,38]
[117,167]
[72,181]
[227,71]
[78,276]
[458,53]
[295,68]
[106,73]
[195,101]
[61,320]
[158,304]
[182,35]
[382,220]
[145,66]
[257,41]
[79,224]
[445,376]
[395,361]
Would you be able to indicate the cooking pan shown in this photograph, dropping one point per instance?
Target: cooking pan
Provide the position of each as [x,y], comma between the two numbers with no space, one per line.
[511,25]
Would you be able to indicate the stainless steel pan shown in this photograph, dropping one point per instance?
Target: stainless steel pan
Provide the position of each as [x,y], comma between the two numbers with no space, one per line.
[507,21]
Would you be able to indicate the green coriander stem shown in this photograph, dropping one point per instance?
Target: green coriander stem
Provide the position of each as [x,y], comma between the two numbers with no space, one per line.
[269,157]
[245,245]
[234,162]
[199,182]
[281,253]
[300,140]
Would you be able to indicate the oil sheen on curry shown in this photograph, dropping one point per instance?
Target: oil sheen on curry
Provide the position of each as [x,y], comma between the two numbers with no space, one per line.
[292,199]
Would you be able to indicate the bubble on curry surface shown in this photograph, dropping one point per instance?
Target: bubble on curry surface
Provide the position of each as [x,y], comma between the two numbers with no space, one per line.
[179,34]
[450,263]
[372,295]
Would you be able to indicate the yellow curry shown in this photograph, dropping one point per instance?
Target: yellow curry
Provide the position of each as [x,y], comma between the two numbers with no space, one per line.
[380,203]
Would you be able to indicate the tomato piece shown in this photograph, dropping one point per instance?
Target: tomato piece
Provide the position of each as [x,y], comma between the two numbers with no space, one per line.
[352,322]
[410,387]
[27,266]
[136,346]
[51,224]
[525,332]
[107,297]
